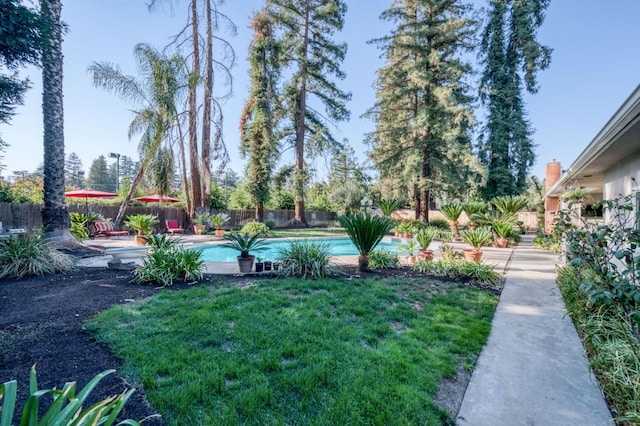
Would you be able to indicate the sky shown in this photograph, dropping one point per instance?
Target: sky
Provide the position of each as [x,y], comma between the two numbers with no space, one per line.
[595,66]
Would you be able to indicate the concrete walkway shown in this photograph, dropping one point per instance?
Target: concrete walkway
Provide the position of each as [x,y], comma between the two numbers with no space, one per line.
[533,369]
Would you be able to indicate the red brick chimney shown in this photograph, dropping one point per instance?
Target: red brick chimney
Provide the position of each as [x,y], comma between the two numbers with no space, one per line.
[551,204]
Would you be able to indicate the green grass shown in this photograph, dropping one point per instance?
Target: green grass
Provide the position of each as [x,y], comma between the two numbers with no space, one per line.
[307,232]
[300,352]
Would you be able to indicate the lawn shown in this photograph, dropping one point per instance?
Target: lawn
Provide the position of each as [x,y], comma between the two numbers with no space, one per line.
[331,351]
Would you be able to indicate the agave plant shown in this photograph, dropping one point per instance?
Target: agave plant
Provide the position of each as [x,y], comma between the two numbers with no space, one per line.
[452,212]
[365,232]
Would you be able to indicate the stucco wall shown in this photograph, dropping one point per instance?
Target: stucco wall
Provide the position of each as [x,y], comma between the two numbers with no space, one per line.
[617,181]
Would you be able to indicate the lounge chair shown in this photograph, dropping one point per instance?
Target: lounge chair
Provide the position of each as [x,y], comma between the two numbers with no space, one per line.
[105,229]
[173,227]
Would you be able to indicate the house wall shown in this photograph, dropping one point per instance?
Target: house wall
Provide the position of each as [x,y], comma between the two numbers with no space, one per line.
[617,181]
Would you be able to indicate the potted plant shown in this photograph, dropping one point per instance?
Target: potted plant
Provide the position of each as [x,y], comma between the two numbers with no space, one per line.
[476,238]
[217,220]
[267,265]
[244,243]
[503,231]
[200,223]
[424,237]
[411,247]
[143,225]
[259,265]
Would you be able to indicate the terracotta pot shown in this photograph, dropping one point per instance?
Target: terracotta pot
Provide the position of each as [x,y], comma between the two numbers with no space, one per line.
[472,255]
[411,259]
[502,242]
[245,263]
[140,240]
[220,233]
[425,255]
[406,235]
[198,229]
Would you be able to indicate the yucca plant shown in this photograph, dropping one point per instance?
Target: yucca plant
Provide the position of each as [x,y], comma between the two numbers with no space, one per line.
[31,255]
[388,206]
[509,204]
[67,408]
[365,232]
[452,212]
[304,259]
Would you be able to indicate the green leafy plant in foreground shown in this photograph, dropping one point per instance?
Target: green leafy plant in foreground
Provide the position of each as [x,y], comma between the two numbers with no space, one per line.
[20,257]
[460,268]
[291,351]
[365,231]
[304,259]
[168,261]
[67,407]
[383,259]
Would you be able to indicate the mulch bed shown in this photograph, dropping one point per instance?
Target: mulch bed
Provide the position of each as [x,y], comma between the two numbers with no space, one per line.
[42,324]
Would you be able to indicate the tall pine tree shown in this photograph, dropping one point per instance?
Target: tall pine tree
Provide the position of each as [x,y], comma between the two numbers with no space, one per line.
[511,57]
[312,60]
[421,143]
[258,121]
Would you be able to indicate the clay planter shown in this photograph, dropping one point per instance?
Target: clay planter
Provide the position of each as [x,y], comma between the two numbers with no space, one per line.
[472,255]
[220,233]
[199,229]
[425,255]
[140,240]
[245,263]
[502,242]
[411,259]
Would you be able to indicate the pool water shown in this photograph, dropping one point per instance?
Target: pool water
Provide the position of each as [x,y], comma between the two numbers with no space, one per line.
[270,250]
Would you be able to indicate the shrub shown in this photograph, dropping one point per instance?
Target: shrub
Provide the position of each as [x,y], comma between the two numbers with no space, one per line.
[67,406]
[20,257]
[439,223]
[270,223]
[253,228]
[383,259]
[81,224]
[168,262]
[365,232]
[459,268]
[304,259]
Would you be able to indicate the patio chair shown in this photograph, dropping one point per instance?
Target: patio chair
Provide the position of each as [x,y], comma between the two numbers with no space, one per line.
[105,229]
[173,227]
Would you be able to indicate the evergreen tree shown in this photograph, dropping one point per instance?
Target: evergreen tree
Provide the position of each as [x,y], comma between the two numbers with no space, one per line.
[305,28]
[510,55]
[257,122]
[421,144]
[100,177]
[73,171]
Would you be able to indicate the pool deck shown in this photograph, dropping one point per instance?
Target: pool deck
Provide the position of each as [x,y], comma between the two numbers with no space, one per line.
[493,256]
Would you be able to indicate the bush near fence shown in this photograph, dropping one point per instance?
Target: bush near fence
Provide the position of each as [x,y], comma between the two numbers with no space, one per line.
[28,216]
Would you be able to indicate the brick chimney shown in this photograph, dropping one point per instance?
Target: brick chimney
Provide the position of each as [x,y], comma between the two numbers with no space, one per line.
[551,204]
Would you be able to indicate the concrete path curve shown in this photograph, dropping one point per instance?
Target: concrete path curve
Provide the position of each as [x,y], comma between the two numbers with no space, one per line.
[533,369]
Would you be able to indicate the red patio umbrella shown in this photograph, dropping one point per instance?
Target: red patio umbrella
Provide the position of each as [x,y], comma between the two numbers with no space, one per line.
[156,198]
[88,193]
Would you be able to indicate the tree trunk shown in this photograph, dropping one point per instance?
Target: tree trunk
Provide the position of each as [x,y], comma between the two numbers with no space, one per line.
[194,161]
[206,112]
[426,174]
[55,216]
[260,212]
[183,162]
[416,202]
[300,124]
[117,223]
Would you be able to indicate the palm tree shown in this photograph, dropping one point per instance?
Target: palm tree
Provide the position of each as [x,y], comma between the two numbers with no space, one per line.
[452,212]
[156,93]
[55,217]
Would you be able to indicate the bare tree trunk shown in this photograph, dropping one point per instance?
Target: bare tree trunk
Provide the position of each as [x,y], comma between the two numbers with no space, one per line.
[206,111]
[416,202]
[117,223]
[426,174]
[183,162]
[260,212]
[194,160]
[300,125]
[55,216]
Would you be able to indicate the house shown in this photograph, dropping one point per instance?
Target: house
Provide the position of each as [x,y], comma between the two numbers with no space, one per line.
[608,168]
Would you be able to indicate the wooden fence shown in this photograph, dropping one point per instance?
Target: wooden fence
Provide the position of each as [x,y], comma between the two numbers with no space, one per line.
[28,216]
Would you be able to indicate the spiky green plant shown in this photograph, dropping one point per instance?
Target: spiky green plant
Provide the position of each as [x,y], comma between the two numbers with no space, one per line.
[424,237]
[168,261]
[509,204]
[383,259]
[67,408]
[31,255]
[141,223]
[365,231]
[217,220]
[502,229]
[460,268]
[81,224]
[452,212]
[243,242]
[388,206]
[477,238]
[473,207]
[304,259]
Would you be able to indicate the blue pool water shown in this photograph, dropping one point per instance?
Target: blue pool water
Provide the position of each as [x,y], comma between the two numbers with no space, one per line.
[269,251]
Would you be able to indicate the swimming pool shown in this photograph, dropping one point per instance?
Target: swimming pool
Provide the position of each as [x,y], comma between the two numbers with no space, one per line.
[269,251]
